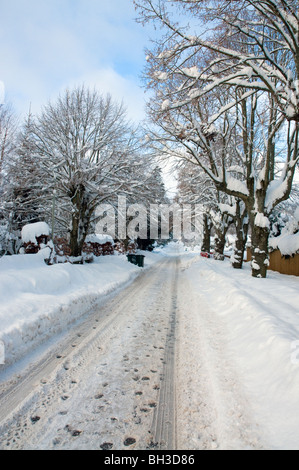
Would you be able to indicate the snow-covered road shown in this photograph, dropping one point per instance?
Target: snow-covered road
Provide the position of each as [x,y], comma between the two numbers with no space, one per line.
[143,371]
[105,385]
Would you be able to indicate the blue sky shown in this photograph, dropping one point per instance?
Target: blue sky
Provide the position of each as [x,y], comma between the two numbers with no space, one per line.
[48,45]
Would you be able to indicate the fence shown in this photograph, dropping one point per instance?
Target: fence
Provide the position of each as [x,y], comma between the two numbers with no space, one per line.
[281,264]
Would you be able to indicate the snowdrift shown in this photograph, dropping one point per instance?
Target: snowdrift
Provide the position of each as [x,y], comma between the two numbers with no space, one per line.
[39,301]
[261,319]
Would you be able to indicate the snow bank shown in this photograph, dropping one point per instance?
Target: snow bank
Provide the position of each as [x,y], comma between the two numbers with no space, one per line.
[261,319]
[39,301]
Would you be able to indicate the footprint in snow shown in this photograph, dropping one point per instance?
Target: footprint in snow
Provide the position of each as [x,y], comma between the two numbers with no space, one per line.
[99,396]
[129,442]
[35,419]
[106,446]
[73,432]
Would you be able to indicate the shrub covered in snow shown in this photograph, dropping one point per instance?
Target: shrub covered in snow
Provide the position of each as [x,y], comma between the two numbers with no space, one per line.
[125,246]
[101,239]
[98,245]
[31,233]
[36,238]
[288,241]
[10,241]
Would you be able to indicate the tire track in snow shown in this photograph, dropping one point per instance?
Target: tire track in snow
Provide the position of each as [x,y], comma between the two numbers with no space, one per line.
[24,399]
[84,338]
[164,422]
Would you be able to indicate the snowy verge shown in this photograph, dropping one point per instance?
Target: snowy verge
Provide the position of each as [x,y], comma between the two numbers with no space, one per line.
[39,301]
[262,321]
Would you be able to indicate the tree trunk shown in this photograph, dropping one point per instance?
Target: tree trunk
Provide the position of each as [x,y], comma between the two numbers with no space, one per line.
[220,241]
[80,221]
[78,233]
[242,226]
[75,246]
[221,225]
[206,244]
[260,251]
[238,256]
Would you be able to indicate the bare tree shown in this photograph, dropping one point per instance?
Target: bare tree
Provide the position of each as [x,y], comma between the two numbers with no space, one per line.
[8,133]
[219,212]
[25,201]
[239,154]
[87,151]
[269,62]
[247,64]
[8,129]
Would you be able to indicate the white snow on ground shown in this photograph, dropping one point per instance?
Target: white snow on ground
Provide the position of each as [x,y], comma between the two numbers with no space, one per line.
[256,322]
[238,339]
[107,387]
[38,301]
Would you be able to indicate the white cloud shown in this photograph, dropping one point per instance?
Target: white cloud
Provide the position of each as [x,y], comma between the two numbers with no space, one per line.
[48,46]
